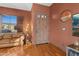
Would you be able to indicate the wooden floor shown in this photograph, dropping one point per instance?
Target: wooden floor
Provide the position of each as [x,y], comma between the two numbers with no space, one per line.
[30,50]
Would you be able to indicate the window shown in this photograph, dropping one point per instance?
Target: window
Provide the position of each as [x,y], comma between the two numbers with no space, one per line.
[75,25]
[8,23]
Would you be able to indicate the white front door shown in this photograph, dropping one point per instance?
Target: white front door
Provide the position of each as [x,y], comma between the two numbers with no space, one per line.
[41,29]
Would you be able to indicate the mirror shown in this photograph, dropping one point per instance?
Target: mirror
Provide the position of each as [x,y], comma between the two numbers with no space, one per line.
[75,25]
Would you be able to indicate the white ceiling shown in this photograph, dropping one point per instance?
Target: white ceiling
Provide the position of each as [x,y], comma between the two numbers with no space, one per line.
[45,4]
[22,6]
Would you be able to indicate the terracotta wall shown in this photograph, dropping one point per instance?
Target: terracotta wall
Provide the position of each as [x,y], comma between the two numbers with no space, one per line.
[36,8]
[58,37]
[25,14]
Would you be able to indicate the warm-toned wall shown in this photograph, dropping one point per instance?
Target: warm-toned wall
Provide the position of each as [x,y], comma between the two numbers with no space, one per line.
[58,37]
[25,14]
[36,8]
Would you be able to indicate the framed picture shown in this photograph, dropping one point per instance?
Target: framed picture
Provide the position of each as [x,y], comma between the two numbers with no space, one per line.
[65,15]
